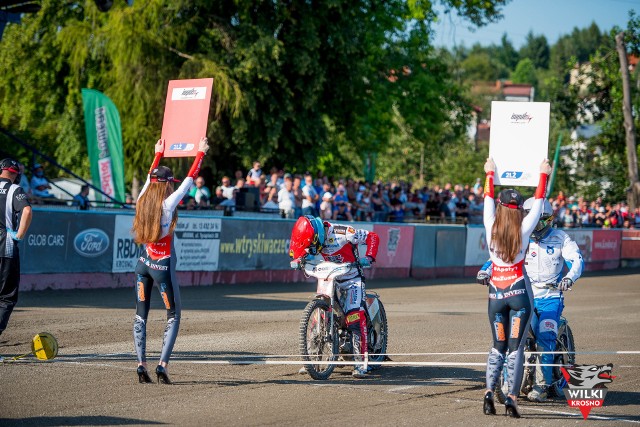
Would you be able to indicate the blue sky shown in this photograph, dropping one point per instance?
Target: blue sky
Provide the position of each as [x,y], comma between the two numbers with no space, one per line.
[552,18]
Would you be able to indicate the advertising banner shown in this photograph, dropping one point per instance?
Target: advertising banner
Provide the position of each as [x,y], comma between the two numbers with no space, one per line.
[197,244]
[584,239]
[249,245]
[519,141]
[396,246]
[104,144]
[606,245]
[450,246]
[125,250]
[477,252]
[424,246]
[79,243]
[186,115]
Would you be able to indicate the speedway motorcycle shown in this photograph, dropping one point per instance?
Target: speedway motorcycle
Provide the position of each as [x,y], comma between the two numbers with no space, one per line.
[566,347]
[324,336]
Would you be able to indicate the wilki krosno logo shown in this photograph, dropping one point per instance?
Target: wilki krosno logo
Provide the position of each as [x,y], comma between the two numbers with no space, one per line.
[587,386]
[520,118]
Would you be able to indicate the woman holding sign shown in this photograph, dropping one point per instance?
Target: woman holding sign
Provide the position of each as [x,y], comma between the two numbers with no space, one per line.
[510,297]
[153,226]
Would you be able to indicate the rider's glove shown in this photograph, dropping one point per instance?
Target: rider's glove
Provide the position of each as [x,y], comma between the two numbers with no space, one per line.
[482,278]
[365,262]
[565,284]
[13,234]
[296,264]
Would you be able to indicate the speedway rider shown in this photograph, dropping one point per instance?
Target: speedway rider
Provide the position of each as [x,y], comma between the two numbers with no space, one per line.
[543,265]
[339,243]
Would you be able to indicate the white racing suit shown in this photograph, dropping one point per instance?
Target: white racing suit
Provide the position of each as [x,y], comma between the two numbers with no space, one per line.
[544,264]
[340,246]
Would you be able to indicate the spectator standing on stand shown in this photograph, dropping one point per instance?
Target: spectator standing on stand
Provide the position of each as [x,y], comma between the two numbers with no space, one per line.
[254,174]
[200,192]
[228,192]
[326,206]
[287,199]
[310,196]
[82,198]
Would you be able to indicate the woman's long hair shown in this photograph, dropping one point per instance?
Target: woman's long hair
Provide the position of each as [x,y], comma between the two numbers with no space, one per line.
[146,224]
[506,238]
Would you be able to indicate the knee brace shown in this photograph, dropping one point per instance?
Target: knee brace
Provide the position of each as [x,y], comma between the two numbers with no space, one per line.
[357,324]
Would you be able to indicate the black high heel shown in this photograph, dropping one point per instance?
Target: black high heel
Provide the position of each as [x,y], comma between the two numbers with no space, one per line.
[511,408]
[163,376]
[143,375]
[488,407]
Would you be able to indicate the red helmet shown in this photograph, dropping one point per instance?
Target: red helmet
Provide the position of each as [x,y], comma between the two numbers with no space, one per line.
[307,237]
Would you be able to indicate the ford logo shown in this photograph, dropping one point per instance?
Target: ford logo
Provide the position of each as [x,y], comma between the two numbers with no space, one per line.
[92,242]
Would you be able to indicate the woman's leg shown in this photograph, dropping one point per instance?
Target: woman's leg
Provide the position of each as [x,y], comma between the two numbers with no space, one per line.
[143,294]
[519,318]
[498,318]
[170,293]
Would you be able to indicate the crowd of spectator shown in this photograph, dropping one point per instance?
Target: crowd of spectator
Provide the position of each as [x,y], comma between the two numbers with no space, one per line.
[345,199]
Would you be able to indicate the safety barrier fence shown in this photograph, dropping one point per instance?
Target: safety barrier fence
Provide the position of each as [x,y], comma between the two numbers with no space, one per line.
[67,249]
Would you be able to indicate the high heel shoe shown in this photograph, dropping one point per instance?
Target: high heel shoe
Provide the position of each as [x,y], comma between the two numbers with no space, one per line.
[163,376]
[143,375]
[511,408]
[488,407]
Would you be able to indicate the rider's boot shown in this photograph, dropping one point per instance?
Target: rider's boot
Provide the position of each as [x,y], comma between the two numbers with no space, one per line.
[538,394]
[360,372]
[302,371]
[555,390]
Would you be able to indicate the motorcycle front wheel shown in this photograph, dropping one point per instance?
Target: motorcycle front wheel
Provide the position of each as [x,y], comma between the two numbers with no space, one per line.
[318,343]
[378,336]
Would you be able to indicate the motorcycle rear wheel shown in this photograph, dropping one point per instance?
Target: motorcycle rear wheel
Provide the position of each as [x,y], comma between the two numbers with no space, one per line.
[318,344]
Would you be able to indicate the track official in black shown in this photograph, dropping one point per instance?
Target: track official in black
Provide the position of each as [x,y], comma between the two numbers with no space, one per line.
[15,218]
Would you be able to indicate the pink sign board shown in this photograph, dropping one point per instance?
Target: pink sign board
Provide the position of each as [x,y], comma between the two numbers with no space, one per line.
[186,114]
[396,246]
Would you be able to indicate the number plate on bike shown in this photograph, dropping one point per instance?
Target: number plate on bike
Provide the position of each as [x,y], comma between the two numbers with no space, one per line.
[325,287]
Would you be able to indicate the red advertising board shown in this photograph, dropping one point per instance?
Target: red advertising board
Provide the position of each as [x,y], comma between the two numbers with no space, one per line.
[396,246]
[186,114]
[630,244]
[606,245]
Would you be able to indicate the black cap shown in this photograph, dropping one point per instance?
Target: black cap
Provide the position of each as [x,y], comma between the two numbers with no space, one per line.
[510,198]
[10,165]
[162,174]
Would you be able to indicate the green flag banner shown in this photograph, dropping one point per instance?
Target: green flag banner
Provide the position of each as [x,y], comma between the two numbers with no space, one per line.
[104,143]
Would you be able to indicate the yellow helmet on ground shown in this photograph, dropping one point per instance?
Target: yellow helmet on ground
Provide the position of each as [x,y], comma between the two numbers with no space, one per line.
[44,346]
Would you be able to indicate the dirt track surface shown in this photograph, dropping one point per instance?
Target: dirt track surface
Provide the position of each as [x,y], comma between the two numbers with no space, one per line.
[93,381]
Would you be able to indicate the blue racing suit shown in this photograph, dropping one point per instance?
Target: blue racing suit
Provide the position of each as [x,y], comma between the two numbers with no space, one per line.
[544,264]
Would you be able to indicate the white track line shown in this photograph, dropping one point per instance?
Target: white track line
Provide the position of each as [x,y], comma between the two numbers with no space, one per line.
[591,416]
[470,353]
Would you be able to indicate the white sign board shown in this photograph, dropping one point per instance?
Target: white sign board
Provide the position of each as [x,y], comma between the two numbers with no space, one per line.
[197,244]
[519,141]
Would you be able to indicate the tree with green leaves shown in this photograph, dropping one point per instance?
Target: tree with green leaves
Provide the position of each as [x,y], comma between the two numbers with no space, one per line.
[536,48]
[296,84]
[525,72]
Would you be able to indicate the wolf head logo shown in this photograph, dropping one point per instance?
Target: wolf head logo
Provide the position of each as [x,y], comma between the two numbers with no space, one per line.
[588,376]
